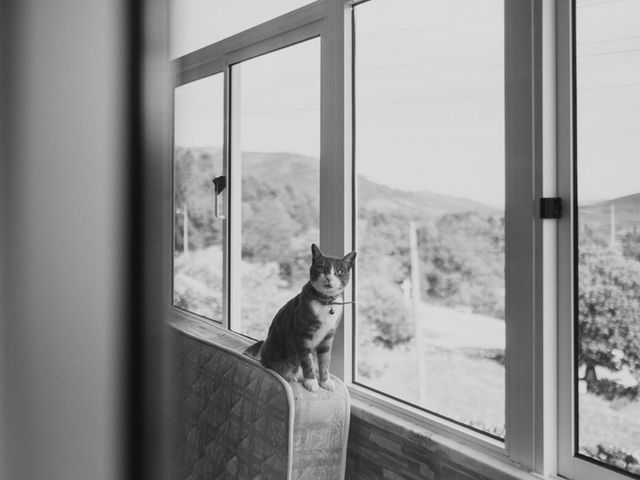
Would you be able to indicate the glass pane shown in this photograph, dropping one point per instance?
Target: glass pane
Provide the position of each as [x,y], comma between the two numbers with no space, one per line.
[198,23]
[608,186]
[278,134]
[197,234]
[431,186]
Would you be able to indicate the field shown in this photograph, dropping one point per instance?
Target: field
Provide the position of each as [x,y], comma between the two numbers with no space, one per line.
[465,379]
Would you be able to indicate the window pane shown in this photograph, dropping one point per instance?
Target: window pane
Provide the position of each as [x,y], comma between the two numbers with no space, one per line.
[608,186]
[197,234]
[198,23]
[278,135]
[431,185]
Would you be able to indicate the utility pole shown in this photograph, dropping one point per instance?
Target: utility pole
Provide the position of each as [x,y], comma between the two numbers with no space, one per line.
[185,230]
[415,313]
[612,225]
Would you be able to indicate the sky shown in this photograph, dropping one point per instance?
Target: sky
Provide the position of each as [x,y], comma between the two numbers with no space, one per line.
[429,92]
[279,108]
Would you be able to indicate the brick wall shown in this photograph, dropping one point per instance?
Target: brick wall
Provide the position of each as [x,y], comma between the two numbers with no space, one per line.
[383,448]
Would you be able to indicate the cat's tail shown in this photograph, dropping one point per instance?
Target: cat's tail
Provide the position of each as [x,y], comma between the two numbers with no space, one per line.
[254,350]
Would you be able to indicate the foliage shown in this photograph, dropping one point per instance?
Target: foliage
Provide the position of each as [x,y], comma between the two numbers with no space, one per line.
[463,262]
[197,282]
[631,244]
[193,187]
[461,255]
[609,309]
[264,293]
[384,318]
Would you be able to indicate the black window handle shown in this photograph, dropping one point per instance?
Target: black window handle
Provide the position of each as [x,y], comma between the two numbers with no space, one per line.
[219,184]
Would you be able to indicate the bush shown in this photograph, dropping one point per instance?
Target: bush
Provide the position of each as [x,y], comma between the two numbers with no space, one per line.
[609,310]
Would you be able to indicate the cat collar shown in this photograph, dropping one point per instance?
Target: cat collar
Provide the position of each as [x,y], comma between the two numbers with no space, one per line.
[324,299]
[332,303]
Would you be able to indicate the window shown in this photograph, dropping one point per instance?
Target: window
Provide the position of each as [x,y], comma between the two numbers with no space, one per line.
[277,139]
[430,158]
[198,247]
[607,242]
[473,316]
[267,110]
[599,302]
[247,136]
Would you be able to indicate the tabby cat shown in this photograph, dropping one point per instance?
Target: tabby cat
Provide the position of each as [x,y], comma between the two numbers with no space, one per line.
[305,326]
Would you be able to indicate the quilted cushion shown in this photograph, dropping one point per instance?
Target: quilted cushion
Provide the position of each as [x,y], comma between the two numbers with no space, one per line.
[234,419]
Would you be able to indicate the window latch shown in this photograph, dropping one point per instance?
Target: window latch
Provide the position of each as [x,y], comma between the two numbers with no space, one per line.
[550,207]
[219,184]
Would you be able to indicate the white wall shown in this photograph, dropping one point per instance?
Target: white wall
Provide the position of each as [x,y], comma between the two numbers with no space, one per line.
[63,234]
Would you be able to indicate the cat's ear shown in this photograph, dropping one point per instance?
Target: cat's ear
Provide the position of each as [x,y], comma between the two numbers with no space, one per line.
[315,252]
[349,258]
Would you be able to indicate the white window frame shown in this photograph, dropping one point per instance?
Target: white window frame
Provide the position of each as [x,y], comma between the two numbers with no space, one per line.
[539,270]
[569,464]
[302,24]
[524,383]
[331,21]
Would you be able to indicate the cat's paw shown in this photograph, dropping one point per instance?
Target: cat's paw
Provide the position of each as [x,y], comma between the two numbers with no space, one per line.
[328,384]
[310,384]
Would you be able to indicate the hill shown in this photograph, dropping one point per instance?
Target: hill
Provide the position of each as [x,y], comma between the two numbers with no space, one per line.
[421,205]
[598,216]
[302,172]
[460,242]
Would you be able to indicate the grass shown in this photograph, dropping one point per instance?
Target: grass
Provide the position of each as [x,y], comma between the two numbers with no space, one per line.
[614,422]
[463,387]
[465,376]
[468,387]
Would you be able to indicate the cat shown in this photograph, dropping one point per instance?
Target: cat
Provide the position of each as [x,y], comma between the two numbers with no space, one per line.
[304,327]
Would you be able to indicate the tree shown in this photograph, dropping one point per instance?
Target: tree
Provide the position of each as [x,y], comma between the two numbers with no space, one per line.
[463,261]
[194,170]
[608,310]
[383,317]
[267,230]
[631,244]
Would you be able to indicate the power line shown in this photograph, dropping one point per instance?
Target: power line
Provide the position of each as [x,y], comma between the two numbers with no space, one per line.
[595,4]
[431,101]
[610,52]
[602,87]
[433,72]
[629,37]
[431,27]
[433,61]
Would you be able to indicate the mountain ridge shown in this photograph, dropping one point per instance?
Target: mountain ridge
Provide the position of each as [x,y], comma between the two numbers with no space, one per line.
[281,168]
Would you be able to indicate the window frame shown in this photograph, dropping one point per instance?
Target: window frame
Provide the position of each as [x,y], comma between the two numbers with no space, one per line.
[539,102]
[331,20]
[523,302]
[294,27]
[174,209]
[570,464]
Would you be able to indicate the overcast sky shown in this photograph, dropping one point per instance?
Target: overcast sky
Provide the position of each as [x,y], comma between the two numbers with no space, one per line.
[430,92]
